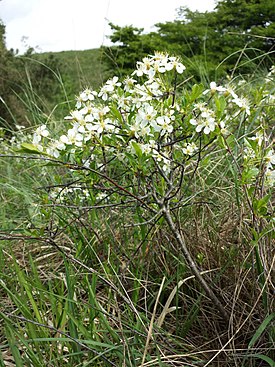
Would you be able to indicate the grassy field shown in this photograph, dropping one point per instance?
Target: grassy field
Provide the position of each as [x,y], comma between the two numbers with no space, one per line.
[85,68]
[82,285]
[49,83]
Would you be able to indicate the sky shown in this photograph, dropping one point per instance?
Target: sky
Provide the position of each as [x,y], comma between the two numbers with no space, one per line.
[60,25]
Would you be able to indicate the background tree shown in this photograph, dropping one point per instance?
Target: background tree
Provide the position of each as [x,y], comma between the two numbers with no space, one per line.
[9,77]
[248,26]
[232,36]
[128,46]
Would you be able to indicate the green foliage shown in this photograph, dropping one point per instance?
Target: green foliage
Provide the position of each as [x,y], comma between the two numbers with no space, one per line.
[130,48]
[231,36]
[9,82]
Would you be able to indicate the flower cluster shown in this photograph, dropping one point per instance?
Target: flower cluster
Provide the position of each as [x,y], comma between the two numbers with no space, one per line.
[126,110]
[142,120]
[159,63]
[69,194]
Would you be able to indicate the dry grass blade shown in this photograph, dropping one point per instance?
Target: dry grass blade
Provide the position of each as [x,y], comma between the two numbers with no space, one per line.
[150,331]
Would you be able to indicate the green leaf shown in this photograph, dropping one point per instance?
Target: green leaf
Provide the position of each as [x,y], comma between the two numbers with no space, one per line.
[116,113]
[267,359]
[196,92]
[220,103]
[249,174]
[252,144]
[13,346]
[260,206]
[261,329]
[263,201]
[29,148]
[137,148]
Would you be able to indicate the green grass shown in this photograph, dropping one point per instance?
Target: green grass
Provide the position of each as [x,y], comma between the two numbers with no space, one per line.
[80,69]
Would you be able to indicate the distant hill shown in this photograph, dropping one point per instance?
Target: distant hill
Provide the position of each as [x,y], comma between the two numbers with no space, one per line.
[78,69]
[52,80]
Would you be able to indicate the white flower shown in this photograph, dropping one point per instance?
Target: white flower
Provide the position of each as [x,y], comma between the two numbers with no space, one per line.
[87,109]
[129,84]
[73,137]
[242,103]
[101,196]
[163,125]
[160,62]
[164,162]
[175,64]
[229,91]
[152,88]
[214,88]
[259,138]
[42,131]
[146,148]
[89,118]
[166,165]
[99,113]
[146,113]
[109,88]
[125,103]
[145,67]
[102,125]
[104,91]
[160,57]
[19,127]
[54,148]
[207,125]
[86,95]
[189,148]
[76,116]
[270,177]
[112,83]
[140,129]
[223,130]
[36,140]
[270,158]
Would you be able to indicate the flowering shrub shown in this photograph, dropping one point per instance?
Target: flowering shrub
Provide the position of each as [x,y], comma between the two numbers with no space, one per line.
[152,189]
[142,139]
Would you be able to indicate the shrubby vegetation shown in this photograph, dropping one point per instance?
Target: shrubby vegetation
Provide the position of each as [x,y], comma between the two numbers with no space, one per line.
[139,229]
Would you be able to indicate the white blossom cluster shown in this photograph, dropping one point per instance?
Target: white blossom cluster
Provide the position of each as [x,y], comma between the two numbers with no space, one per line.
[143,115]
[65,194]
